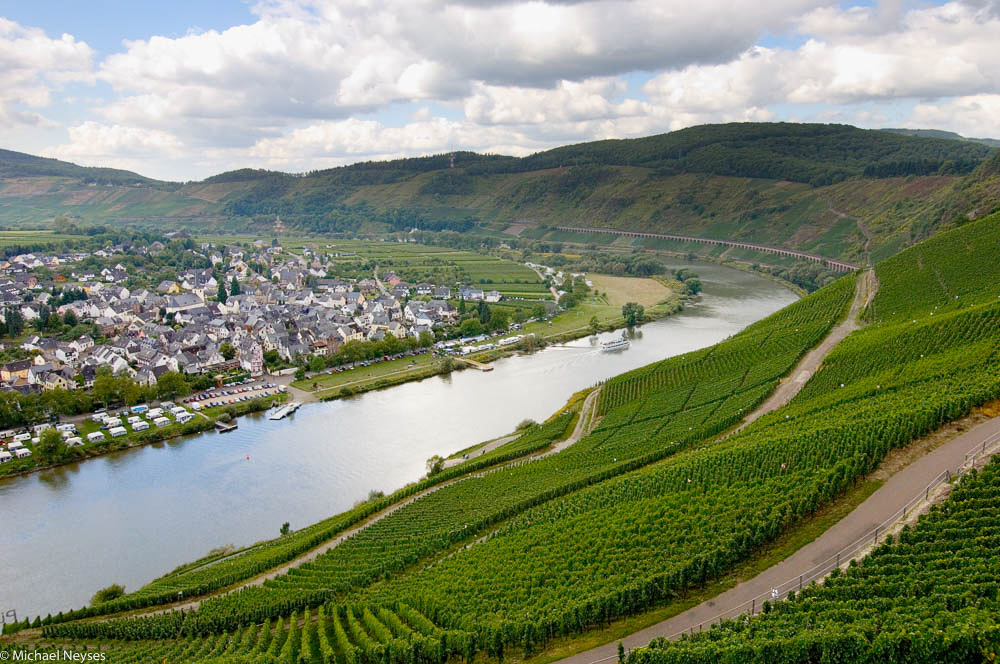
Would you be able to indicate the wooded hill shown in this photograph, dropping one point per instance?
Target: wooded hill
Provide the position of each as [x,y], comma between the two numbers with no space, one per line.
[832,189]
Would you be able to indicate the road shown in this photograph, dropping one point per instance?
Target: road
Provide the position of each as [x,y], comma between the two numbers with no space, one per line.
[899,490]
[583,425]
[867,287]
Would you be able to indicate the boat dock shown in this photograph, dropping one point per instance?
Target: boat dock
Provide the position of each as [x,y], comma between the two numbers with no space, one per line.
[223,427]
[474,364]
[284,411]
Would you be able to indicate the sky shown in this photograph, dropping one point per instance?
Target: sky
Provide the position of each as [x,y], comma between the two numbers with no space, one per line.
[187,89]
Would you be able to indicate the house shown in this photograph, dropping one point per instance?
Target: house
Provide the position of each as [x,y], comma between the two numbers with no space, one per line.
[492,296]
[470,293]
[183,302]
[425,289]
[252,358]
[14,370]
[168,288]
[442,293]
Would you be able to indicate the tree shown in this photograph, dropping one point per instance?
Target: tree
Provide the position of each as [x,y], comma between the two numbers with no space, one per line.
[130,391]
[70,318]
[43,317]
[483,312]
[285,528]
[519,315]
[113,591]
[105,385]
[50,447]
[632,312]
[316,363]
[227,350]
[434,465]
[223,296]
[499,320]
[171,384]
[234,286]
[595,324]
[426,339]
[461,305]
[300,373]
[693,284]
[471,327]
[15,322]
[538,311]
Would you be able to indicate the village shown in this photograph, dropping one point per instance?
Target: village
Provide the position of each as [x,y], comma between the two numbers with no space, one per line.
[247,311]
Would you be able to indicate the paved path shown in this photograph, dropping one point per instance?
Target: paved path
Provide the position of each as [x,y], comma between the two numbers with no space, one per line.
[583,426]
[867,286]
[888,500]
[479,451]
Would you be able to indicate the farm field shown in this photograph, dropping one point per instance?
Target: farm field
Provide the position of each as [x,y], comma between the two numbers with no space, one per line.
[13,238]
[619,290]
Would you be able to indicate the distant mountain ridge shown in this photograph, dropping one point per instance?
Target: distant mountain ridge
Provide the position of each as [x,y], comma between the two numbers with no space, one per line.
[835,190]
[19,164]
[948,135]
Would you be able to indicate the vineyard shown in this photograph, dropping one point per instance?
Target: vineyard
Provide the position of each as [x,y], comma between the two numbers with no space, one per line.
[955,269]
[654,503]
[930,596]
[711,391]
[342,634]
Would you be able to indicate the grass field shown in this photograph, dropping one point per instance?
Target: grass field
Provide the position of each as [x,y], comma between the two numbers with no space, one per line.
[8,238]
[619,290]
[357,378]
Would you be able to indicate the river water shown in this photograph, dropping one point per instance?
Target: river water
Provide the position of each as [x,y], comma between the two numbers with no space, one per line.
[134,515]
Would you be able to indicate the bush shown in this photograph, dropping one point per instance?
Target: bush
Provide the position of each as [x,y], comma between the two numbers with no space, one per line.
[114,591]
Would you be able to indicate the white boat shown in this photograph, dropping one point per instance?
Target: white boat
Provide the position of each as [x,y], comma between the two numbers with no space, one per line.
[615,344]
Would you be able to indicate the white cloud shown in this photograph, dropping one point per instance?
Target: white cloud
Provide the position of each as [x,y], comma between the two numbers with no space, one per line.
[31,65]
[290,90]
[930,53]
[974,116]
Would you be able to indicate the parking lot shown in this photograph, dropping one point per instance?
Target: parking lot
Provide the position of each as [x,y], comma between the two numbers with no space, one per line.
[232,394]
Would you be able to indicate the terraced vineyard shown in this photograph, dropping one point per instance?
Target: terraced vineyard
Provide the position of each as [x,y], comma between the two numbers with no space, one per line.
[930,596]
[652,503]
[219,571]
[958,268]
[343,634]
[462,512]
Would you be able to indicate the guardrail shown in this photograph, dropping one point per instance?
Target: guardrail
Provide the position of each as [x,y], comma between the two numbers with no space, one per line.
[845,555]
[849,552]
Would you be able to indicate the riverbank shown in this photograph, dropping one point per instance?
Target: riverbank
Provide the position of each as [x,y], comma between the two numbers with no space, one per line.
[200,423]
[566,327]
[174,502]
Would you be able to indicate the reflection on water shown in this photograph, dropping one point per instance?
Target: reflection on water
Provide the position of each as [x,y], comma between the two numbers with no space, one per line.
[130,516]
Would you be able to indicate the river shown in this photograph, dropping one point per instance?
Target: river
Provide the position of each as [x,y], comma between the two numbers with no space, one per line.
[131,516]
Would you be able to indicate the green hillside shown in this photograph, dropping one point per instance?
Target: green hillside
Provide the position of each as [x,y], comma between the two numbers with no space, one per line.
[647,507]
[834,190]
[20,165]
[950,135]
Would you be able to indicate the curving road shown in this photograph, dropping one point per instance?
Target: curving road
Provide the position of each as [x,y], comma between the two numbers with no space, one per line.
[890,499]
[583,426]
[865,290]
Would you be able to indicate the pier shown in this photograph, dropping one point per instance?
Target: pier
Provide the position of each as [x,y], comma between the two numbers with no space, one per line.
[284,411]
[474,364]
